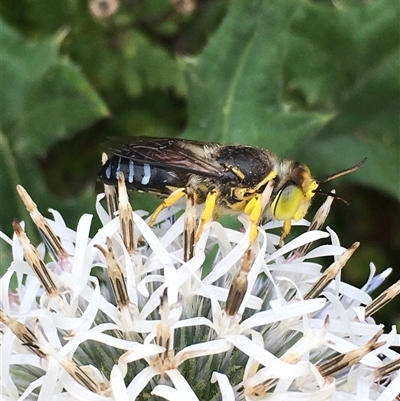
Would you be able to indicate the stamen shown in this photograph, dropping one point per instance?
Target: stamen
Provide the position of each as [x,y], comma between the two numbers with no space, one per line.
[330,273]
[81,376]
[383,299]
[125,216]
[239,285]
[52,242]
[388,368]
[317,222]
[111,193]
[24,334]
[34,260]
[117,278]
[350,358]
[163,328]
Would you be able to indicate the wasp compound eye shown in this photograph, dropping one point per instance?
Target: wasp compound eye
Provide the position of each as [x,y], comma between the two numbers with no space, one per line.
[287,202]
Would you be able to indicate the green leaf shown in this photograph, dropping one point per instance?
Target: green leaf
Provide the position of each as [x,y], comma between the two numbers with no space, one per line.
[236,92]
[334,153]
[292,77]
[44,98]
[358,80]
[148,66]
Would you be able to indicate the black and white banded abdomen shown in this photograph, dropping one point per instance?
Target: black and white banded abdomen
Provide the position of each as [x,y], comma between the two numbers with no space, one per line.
[140,176]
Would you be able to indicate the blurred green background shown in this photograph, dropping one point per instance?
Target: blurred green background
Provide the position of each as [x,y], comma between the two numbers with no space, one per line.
[316,81]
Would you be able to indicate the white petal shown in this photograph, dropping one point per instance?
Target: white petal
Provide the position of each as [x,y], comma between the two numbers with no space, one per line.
[276,367]
[287,311]
[151,278]
[140,381]
[96,334]
[153,303]
[225,387]
[101,212]
[17,250]
[220,294]
[337,326]
[7,348]
[50,380]
[106,231]
[325,250]
[140,351]
[254,271]
[392,390]
[170,393]
[196,350]
[150,237]
[196,321]
[302,239]
[82,239]
[310,268]
[117,384]
[222,236]
[181,384]
[67,236]
[353,293]
[32,387]
[6,238]
[4,290]
[174,232]
[77,391]
[89,315]
[227,263]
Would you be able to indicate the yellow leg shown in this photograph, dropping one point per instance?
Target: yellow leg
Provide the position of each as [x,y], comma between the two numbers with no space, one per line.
[173,198]
[254,210]
[287,225]
[209,207]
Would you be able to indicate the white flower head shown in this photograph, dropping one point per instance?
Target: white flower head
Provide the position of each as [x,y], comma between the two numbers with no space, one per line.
[116,319]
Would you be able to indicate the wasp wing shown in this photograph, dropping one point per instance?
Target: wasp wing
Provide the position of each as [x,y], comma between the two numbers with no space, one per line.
[189,156]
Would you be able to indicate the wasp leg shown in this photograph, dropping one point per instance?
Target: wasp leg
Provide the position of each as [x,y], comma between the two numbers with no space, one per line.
[239,284]
[173,198]
[287,225]
[190,225]
[209,207]
[254,210]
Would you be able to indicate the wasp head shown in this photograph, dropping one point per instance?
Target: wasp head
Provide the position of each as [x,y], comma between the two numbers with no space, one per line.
[295,188]
[293,192]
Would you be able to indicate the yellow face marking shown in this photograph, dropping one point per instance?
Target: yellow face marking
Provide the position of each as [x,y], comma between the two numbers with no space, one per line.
[311,189]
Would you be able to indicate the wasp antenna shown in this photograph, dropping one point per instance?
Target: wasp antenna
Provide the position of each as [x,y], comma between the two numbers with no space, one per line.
[343,172]
[333,195]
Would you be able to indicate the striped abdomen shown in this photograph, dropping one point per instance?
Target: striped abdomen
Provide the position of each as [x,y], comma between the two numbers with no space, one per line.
[141,176]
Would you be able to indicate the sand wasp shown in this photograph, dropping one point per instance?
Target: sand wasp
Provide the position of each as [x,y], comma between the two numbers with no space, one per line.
[225,178]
